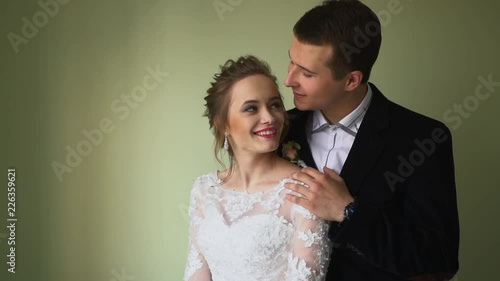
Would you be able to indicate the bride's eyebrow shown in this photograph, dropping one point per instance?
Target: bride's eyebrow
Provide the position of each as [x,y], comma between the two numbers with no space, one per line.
[250,102]
[276,98]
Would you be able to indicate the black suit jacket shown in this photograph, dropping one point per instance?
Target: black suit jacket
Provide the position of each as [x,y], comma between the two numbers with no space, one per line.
[400,170]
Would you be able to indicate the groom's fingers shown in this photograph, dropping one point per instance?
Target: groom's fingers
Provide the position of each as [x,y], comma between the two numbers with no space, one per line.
[298,200]
[318,179]
[310,177]
[300,190]
[331,173]
[303,177]
[313,173]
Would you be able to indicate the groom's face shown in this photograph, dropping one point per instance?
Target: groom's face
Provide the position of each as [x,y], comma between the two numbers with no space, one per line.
[310,78]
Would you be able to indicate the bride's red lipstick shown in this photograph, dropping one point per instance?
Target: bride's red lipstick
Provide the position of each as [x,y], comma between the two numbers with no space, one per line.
[267,132]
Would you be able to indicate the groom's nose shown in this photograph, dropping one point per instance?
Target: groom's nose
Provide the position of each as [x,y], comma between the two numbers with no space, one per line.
[291,78]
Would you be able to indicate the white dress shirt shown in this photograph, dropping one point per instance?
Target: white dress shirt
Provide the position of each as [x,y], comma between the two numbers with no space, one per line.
[330,143]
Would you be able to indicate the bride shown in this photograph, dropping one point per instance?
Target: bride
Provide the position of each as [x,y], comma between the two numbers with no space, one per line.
[241,226]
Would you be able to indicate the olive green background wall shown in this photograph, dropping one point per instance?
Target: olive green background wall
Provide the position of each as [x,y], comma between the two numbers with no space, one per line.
[101,105]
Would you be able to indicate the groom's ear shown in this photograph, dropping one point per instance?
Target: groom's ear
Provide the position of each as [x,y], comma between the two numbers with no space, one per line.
[353,80]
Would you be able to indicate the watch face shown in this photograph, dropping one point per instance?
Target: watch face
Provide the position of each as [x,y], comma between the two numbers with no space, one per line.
[349,210]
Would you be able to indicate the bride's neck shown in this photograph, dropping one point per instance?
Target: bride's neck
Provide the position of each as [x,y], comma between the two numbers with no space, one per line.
[251,170]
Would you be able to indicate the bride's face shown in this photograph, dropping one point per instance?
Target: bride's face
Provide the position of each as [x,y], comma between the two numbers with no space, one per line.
[256,116]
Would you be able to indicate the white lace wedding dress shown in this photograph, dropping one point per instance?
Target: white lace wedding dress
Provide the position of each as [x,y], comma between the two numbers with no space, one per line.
[253,236]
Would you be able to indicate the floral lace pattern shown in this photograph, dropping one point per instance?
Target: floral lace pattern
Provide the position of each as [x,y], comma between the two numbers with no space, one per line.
[253,236]
[194,261]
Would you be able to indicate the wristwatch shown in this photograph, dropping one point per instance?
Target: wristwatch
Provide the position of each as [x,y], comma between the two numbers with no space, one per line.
[349,210]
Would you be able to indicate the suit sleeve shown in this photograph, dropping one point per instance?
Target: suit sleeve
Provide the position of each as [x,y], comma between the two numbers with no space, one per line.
[413,232]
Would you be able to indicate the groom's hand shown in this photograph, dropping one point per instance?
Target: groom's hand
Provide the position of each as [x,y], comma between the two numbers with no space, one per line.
[326,195]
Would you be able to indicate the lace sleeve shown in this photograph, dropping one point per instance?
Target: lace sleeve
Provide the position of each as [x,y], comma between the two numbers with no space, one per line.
[310,251]
[196,265]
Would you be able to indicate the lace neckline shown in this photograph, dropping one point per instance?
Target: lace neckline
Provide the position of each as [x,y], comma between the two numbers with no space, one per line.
[218,185]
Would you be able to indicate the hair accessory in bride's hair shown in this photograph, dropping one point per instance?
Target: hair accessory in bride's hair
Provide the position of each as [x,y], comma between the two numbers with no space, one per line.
[291,151]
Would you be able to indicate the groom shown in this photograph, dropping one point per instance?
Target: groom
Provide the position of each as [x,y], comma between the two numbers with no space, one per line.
[381,173]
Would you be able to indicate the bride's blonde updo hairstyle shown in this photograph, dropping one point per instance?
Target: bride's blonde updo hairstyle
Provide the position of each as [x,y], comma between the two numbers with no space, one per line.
[219,97]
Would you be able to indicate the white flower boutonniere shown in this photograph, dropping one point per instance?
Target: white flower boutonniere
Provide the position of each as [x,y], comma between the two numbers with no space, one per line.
[291,151]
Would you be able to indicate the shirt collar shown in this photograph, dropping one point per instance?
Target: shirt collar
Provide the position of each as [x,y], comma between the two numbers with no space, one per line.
[351,121]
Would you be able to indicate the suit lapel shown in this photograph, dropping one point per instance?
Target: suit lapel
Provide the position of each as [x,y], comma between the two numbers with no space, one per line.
[298,121]
[368,145]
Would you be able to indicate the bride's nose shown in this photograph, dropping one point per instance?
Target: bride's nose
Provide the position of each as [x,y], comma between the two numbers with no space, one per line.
[266,117]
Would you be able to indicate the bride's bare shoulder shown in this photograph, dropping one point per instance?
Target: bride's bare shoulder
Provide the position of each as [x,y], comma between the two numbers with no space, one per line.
[287,168]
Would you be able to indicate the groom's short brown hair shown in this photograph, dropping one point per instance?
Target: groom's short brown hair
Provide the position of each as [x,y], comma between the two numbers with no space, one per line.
[350,28]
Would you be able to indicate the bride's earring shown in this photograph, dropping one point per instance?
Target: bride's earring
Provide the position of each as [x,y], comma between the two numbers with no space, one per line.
[226,142]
